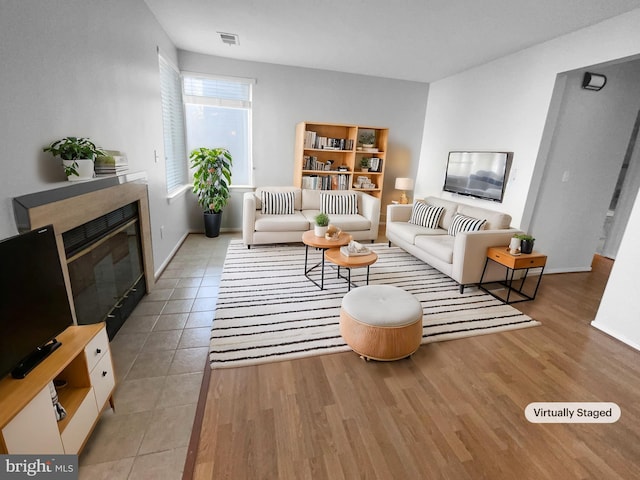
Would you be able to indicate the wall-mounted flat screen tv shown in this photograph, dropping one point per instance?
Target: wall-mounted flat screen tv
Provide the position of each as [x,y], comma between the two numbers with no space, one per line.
[477,174]
[34,306]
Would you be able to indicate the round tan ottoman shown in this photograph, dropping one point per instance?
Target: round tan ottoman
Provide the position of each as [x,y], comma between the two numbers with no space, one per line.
[381,322]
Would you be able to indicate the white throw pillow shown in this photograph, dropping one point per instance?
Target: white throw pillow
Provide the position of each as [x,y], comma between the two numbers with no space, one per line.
[426,215]
[277,203]
[339,204]
[462,223]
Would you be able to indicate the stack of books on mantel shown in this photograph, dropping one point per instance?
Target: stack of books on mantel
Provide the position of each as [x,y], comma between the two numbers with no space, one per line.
[113,163]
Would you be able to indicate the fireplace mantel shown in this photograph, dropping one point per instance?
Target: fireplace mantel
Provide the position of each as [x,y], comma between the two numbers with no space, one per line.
[76,204]
[25,206]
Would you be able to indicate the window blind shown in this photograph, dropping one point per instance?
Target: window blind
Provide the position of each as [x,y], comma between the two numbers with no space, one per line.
[175,151]
[217,91]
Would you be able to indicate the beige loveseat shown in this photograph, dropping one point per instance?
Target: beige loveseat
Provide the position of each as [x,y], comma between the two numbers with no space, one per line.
[461,257]
[262,228]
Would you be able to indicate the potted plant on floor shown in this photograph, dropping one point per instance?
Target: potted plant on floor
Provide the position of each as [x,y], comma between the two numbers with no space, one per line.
[322,224]
[211,180]
[77,154]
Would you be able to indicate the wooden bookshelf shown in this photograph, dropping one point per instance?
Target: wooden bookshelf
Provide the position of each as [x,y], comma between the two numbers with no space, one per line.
[328,157]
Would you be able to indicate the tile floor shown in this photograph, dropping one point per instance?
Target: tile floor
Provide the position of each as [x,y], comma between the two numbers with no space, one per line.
[159,357]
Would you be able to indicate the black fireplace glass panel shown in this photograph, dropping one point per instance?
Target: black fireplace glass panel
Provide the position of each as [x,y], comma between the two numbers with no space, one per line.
[104,274]
[84,235]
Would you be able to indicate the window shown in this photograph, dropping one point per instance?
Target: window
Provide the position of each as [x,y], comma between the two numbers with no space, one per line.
[218,114]
[173,127]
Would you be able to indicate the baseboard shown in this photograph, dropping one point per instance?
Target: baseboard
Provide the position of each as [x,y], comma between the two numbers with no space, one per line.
[172,254]
[616,335]
[567,270]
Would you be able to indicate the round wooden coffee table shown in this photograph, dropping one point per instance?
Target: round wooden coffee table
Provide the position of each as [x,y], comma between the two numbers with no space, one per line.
[335,256]
[310,240]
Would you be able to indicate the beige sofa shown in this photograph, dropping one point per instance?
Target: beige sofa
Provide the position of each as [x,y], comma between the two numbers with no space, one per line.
[263,228]
[461,257]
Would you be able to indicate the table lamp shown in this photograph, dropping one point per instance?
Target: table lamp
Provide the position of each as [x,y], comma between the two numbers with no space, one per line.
[404,184]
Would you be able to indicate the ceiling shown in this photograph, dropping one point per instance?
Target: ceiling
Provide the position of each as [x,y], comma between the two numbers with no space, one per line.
[420,40]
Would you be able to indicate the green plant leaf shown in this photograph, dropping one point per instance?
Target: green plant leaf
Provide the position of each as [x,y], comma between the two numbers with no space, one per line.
[211,177]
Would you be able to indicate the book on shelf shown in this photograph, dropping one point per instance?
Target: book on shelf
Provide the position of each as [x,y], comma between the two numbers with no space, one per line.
[313,140]
[375,164]
[325,182]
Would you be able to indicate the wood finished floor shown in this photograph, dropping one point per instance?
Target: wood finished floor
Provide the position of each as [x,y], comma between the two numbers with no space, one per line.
[455,410]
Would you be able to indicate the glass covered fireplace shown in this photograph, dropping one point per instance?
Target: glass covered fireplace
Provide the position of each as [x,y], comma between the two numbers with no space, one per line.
[104,259]
[103,231]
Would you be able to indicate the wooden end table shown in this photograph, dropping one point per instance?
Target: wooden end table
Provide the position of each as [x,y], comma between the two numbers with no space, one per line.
[512,263]
[310,240]
[335,256]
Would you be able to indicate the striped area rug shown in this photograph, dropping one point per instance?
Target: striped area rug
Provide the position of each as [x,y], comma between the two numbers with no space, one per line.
[269,311]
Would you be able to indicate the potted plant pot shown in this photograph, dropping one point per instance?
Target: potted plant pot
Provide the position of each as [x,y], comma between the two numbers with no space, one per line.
[212,222]
[321,225]
[77,155]
[319,231]
[526,245]
[211,180]
[83,166]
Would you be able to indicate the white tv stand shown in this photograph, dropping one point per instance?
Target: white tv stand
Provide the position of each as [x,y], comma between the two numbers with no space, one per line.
[27,420]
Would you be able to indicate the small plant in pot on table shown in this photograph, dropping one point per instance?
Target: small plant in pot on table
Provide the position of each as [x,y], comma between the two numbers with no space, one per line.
[211,180]
[526,243]
[77,154]
[322,224]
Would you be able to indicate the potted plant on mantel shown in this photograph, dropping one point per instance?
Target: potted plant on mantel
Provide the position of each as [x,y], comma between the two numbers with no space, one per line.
[211,180]
[77,154]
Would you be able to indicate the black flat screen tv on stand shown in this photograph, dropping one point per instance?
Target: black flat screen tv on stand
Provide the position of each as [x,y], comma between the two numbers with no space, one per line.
[34,306]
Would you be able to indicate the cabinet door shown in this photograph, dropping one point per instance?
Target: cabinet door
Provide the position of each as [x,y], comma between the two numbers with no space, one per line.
[96,348]
[79,427]
[102,380]
[34,430]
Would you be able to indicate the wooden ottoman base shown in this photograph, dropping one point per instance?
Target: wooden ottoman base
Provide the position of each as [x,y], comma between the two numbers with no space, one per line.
[381,323]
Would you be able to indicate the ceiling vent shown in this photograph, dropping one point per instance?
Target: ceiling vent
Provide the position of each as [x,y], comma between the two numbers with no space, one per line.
[229,38]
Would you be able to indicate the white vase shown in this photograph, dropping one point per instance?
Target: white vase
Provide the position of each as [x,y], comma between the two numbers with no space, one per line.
[514,245]
[84,167]
[319,231]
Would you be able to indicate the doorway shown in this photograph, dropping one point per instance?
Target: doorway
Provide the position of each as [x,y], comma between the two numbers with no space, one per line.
[590,155]
[623,198]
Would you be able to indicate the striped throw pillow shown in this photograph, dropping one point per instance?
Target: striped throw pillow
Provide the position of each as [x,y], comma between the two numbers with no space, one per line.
[426,215]
[462,223]
[277,203]
[339,204]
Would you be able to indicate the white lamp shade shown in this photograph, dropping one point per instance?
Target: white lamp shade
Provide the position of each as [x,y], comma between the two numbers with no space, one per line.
[403,183]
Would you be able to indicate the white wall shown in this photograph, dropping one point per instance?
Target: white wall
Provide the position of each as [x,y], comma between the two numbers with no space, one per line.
[82,68]
[503,105]
[587,149]
[618,314]
[284,96]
